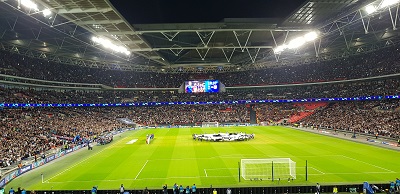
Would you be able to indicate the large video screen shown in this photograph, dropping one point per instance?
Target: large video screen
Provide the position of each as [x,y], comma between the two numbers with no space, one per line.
[203,86]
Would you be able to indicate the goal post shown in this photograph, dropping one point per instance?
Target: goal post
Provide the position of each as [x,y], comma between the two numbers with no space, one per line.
[209,124]
[268,169]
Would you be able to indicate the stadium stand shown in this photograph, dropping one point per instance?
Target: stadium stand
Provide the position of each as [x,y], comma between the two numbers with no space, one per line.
[28,133]
[359,117]
[381,62]
[373,87]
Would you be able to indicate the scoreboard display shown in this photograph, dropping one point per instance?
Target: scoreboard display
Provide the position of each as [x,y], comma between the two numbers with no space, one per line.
[204,86]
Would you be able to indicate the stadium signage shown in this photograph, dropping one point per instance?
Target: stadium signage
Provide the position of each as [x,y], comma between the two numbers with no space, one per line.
[202,86]
[2,182]
[50,158]
[25,169]
[38,163]
[17,105]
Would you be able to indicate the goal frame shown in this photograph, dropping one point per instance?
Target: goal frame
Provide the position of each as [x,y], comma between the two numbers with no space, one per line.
[210,124]
[268,168]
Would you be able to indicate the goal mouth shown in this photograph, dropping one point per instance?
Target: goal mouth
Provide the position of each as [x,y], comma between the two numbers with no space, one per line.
[210,124]
[268,169]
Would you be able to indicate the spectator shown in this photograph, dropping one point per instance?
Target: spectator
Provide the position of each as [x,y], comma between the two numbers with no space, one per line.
[318,189]
[11,191]
[165,189]
[145,191]
[194,188]
[122,189]
[187,190]
[335,190]
[94,190]
[181,189]
[381,62]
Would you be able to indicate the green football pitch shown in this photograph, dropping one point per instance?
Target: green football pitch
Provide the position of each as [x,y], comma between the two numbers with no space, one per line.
[174,157]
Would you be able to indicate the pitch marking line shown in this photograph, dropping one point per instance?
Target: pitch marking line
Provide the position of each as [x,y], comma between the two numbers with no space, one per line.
[132,141]
[209,169]
[185,177]
[47,181]
[141,169]
[317,170]
[154,178]
[368,164]
[353,173]
[241,156]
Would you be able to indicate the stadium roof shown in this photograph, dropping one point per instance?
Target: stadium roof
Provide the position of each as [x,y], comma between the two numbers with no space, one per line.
[204,11]
[345,28]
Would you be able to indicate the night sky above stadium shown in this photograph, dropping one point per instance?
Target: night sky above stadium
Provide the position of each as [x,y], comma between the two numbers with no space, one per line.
[203,11]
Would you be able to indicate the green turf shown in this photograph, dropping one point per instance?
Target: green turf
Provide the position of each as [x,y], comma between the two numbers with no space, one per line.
[174,157]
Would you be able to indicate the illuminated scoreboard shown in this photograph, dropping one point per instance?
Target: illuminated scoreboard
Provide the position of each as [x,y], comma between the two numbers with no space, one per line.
[204,86]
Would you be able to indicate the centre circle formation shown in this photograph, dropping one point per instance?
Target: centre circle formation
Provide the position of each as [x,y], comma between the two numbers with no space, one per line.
[223,137]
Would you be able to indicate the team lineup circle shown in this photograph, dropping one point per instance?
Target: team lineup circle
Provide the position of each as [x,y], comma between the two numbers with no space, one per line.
[224,137]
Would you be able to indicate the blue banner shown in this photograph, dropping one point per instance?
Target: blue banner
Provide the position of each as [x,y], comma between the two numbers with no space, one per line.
[69,151]
[25,169]
[50,158]
[361,98]
[38,163]
[2,182]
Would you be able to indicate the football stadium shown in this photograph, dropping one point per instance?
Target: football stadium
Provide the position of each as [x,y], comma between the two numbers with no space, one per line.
[210,97]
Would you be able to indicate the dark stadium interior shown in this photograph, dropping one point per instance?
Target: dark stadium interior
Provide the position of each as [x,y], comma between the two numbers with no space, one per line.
[180,11]
[54,61]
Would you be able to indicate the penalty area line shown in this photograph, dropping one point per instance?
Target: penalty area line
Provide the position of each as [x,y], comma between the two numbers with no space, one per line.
[205,172]
[141,169]
[353,173]
[152,178]
[368,164]
[317,170]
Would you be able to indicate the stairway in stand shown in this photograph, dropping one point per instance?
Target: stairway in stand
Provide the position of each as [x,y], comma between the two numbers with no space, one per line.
[308,109]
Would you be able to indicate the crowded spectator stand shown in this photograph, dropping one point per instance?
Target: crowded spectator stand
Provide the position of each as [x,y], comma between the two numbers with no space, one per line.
[27,133]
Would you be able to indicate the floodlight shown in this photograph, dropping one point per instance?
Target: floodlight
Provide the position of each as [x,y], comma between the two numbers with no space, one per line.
[108,44]
[280,49]
[296,43]
[311,36]
[29,4]
[370,9]
[46,12]
[386,3]
[95,39]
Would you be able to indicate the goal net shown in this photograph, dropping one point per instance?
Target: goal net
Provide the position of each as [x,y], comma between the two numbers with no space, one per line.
[269,168]
[209,124]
